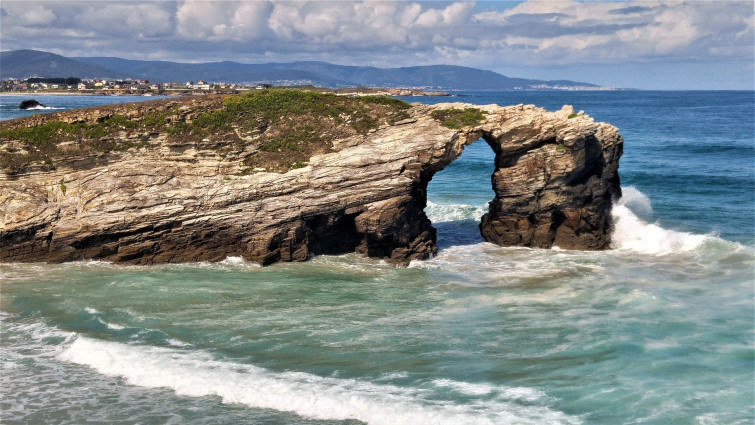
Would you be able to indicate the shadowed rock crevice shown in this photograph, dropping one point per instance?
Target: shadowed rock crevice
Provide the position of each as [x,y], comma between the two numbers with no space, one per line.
[172,199]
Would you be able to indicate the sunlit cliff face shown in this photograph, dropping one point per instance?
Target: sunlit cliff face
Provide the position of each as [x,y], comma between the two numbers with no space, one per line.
[204,179]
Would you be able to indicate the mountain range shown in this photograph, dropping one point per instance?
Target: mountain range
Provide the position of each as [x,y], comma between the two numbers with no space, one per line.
[33,63]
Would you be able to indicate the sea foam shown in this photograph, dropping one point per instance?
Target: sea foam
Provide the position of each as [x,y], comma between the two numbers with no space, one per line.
[442,213]
[632,233]
[197,374]
[33,108]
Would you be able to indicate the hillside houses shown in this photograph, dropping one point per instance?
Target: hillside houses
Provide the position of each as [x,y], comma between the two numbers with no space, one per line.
[124,86]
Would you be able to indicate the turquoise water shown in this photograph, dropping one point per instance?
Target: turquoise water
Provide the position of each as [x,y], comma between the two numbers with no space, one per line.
[658,330]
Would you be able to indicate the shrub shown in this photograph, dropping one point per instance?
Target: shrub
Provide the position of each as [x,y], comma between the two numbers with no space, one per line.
[458,118]
[385,100]
[288,125]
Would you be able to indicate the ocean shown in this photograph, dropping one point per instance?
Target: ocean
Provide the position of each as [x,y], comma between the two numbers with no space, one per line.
[55,103]
[657,330]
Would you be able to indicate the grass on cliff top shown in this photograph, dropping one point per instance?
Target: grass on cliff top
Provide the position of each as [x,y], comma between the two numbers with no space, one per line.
[295,124]
[41,141]
[269,107]
[457,118]
[291,126]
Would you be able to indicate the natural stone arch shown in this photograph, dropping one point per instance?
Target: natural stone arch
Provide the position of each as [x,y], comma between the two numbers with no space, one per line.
[556,192]
[556,175]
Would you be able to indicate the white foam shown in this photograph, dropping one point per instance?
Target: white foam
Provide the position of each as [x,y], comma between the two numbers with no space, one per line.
[196,374]
[228,263]
[113,326]
[33,108]
[393,375]
[233,261]
[465,387]
[530,395]
[636,201]
[178,343]
[707,419]
[633,234]
[441,213]
[36,332]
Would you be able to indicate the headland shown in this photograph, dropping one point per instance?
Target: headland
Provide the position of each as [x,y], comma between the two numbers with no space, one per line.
[280,175]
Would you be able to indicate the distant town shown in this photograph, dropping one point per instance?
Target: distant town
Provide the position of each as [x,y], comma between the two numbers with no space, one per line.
[74,85]
[125,87]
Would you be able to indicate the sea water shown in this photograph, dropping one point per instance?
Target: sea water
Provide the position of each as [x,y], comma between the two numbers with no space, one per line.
[56,103]
[657,330]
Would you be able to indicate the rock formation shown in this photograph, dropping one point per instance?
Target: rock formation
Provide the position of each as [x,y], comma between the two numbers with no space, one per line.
[29,103]
[154,197]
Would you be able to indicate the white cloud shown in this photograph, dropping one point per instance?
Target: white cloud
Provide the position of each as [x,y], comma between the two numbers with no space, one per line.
[579,32]
[28,14]
[385,33]
[200,19]
[249,20]
[320,25]
[140,20]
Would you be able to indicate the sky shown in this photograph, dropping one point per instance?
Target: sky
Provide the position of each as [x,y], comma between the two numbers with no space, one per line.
[648,44]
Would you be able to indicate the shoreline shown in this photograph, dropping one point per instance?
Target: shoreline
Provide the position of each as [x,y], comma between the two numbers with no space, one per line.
[352,91]
[31,94]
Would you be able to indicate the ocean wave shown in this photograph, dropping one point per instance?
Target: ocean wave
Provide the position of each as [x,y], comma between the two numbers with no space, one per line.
[442,213]
[197,374]
[42,337]
[113,326]
[632,233]
[35,108]
[634,229]
[524,394]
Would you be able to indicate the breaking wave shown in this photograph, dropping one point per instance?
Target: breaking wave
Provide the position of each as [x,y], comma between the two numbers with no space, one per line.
[633,233]
[197,374]
[35,108]
[442,213]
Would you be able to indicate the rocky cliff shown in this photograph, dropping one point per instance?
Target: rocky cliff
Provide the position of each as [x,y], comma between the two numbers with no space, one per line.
[284,175]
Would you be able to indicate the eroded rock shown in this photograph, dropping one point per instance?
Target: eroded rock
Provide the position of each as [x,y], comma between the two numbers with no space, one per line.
[29,104]
[164,201]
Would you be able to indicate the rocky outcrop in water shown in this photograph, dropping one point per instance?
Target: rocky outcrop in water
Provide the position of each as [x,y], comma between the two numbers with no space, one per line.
[155,197]
[29,103]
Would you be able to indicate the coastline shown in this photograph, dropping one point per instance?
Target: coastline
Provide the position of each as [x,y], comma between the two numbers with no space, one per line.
[350,91]
[387,128]
[77,93]
[613,315]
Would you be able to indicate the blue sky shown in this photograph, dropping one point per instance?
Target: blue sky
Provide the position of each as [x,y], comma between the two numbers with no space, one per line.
[650,44]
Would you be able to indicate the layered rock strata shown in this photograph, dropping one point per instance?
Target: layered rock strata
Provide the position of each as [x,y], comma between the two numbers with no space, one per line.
[166,201]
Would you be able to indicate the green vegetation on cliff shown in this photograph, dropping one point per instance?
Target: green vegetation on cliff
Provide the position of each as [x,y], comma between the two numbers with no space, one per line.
[458,118]
[285,127]
[295,125]
[41,142]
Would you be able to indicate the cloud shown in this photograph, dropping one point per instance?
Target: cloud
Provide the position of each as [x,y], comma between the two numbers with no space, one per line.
[384,33]
[125,20]
[26,14]
[364,24]
[575,32]
[198,20]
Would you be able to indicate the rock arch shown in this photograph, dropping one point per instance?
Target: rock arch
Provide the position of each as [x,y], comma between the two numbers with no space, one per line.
[556,175]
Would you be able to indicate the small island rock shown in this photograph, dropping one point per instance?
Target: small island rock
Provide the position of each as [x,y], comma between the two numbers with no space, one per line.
[29,103]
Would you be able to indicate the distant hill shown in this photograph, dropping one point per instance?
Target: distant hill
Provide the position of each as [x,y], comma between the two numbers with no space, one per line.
[231,72]
[27,63]
[33,63]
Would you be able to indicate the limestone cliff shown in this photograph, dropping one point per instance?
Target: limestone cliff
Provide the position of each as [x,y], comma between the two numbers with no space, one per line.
[185,180]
